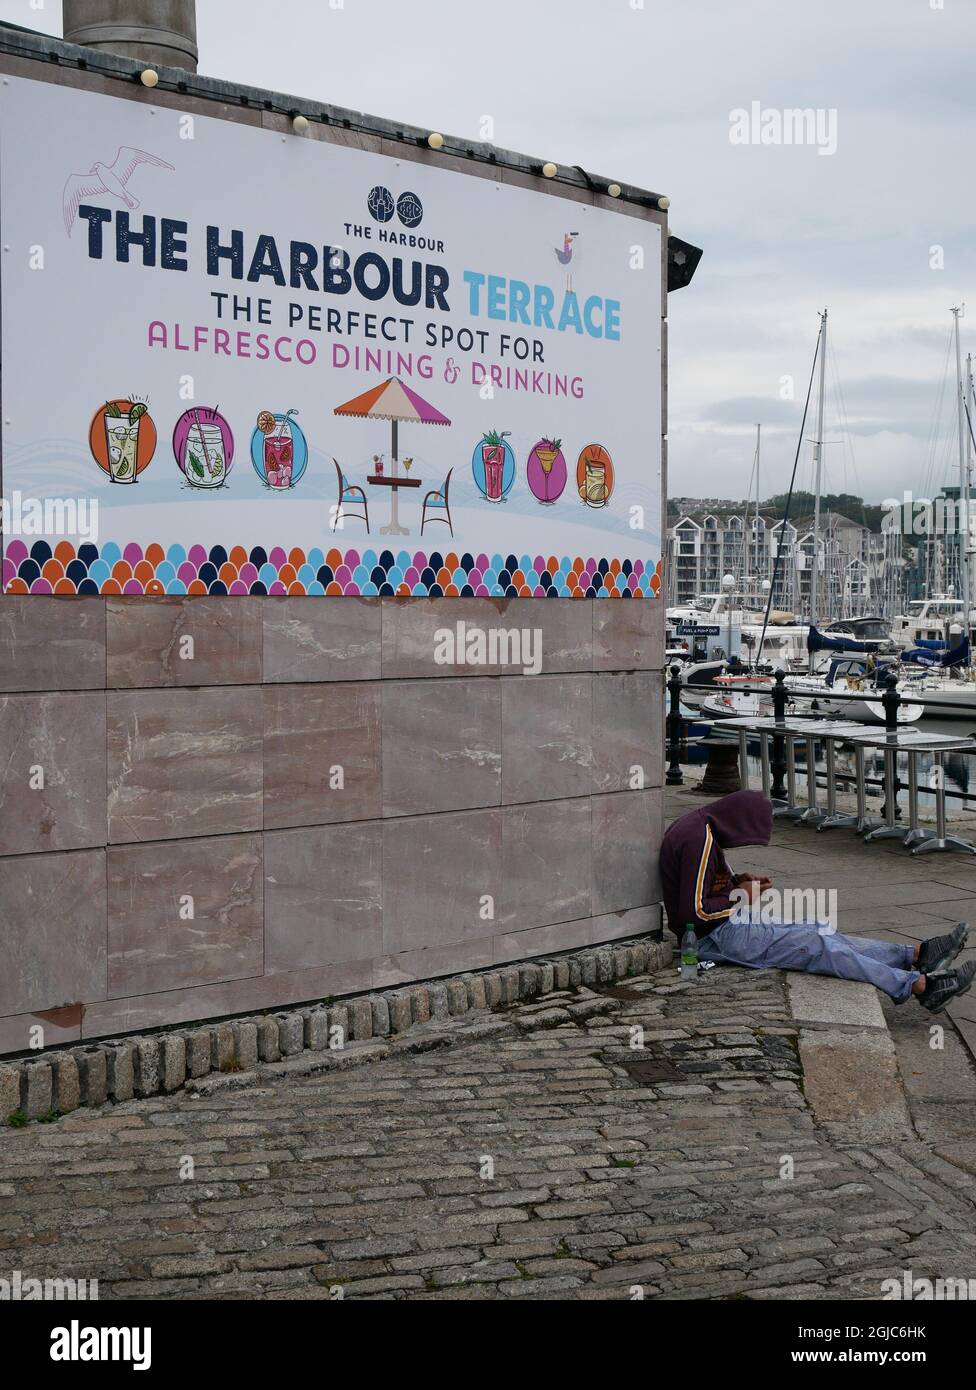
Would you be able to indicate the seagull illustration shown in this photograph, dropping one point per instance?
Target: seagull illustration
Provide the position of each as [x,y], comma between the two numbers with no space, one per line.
[106,178]
[565,256]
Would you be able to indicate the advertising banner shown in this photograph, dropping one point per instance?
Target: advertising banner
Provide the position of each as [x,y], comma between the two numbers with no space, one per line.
[240,361]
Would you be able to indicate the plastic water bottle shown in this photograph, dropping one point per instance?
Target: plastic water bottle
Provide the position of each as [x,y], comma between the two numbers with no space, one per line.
[689,954]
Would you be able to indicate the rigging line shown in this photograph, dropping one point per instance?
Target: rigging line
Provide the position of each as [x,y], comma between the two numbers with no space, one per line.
[936,435]
[845,428]
[745,521]
[969,422]
[789,499]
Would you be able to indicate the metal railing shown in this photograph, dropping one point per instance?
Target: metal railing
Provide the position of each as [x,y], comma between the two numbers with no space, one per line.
[891,701]
[777,751]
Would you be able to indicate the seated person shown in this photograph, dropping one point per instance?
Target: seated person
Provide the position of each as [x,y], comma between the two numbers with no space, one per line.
[701,889]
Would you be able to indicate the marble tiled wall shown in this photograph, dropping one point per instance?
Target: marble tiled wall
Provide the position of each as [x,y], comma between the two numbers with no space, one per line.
[208,780]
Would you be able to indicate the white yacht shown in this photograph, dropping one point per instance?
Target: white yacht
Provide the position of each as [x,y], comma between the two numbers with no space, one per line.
[849,675]
[927,620]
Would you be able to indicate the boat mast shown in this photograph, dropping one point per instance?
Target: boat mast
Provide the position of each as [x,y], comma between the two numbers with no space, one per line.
[966,534]
[755,525]
[818,458]
[963,470]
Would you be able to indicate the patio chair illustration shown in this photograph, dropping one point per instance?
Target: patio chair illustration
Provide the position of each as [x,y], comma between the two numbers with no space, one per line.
[437,500]
[350,492]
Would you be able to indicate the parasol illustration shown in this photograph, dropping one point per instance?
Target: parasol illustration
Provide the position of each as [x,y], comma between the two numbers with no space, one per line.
[394,401]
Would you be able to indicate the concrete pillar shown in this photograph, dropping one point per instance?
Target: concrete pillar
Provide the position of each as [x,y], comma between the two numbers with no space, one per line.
[155,31]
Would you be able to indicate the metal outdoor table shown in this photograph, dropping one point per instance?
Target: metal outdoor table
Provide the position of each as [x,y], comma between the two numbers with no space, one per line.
[809,731]
[831,731]
[915,741]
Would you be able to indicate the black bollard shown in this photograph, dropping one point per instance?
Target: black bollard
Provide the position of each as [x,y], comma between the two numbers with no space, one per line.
[777,764]
[674,777]
[890,701]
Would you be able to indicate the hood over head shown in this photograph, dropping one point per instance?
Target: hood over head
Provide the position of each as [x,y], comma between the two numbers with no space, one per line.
[741,818]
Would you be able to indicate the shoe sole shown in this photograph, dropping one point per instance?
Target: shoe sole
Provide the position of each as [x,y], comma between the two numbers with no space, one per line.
[958,995]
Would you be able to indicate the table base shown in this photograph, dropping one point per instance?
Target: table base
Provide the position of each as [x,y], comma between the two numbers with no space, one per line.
[948,842]
[857,823]
[888,832]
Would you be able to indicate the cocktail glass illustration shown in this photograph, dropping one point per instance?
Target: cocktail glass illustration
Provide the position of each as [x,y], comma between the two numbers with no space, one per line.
[546,454]
[493,457]
[203,455]
[278,454]
[279,449]
[595,482]
[122,441]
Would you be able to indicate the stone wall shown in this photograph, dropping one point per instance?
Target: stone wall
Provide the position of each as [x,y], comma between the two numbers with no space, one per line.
[174,844]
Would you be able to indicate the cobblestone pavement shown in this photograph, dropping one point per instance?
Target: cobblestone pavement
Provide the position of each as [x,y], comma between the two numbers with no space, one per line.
[512,1156]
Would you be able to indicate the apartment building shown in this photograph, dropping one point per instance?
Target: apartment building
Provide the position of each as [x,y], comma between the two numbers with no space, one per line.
[856,566]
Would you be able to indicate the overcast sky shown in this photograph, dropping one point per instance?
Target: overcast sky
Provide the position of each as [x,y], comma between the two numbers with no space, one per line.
[644,93]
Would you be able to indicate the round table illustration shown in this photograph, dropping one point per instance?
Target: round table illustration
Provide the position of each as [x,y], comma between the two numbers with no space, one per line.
[394,482]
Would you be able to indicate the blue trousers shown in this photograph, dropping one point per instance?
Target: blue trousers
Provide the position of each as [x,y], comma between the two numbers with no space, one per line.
[805,946]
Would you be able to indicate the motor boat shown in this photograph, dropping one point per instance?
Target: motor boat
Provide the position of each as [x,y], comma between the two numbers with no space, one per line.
[847,674]
[739,695]
[871,634]
[927,620]
[942,677]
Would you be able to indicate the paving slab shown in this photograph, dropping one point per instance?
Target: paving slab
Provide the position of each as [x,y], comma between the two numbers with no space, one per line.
[852,1083]
[819,999]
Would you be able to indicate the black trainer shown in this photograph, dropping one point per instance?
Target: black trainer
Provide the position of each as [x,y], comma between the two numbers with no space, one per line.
[942,989]
[940,951]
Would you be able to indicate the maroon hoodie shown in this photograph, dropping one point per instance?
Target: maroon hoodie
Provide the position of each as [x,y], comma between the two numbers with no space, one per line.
[695,876]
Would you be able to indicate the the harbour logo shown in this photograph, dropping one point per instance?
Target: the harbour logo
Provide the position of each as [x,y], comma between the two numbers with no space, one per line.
[382,206]
[768,125]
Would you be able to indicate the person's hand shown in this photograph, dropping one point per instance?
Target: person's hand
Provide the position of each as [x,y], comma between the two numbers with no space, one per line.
[753,886]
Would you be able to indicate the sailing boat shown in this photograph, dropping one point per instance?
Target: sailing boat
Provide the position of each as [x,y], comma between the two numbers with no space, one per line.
[935,676]
[940,673]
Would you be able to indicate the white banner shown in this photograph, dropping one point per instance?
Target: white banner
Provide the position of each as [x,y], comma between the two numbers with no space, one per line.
[240,361]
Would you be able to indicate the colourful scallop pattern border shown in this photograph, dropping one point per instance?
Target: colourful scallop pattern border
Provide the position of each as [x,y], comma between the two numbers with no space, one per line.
[153,570]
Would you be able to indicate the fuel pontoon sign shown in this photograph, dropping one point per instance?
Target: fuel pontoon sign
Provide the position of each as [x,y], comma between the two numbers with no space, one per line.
[236,361]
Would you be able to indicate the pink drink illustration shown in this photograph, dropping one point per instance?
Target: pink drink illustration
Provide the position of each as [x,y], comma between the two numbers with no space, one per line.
[494,462]
[278,453]
[493,457]
[279,448]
